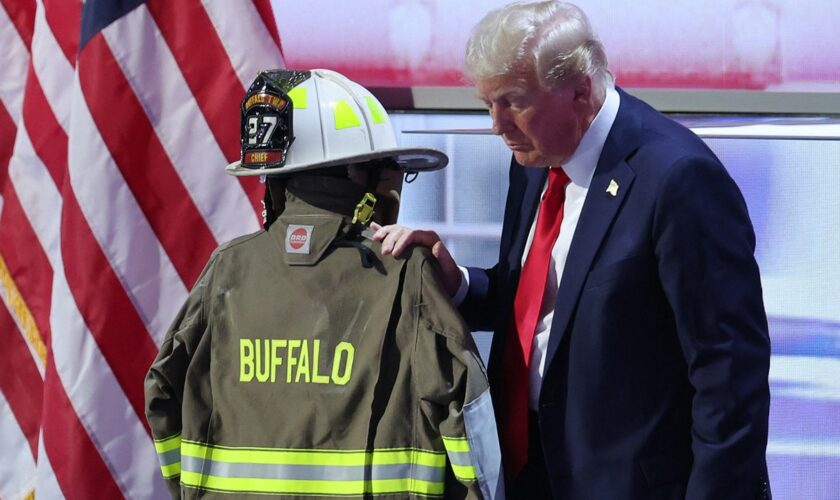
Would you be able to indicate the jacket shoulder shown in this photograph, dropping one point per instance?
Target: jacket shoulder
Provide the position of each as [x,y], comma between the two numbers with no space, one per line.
[437,313]
[234,244]
[661,140]
[244,247]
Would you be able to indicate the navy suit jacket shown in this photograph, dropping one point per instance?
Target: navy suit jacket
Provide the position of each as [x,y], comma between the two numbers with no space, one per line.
[656,375]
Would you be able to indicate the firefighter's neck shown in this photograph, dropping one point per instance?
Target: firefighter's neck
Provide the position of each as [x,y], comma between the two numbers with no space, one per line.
[333,193]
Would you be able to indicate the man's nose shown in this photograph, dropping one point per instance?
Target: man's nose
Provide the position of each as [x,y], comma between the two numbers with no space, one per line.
[501,121]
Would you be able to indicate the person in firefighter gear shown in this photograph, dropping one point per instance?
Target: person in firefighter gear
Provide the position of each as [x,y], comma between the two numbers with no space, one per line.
[303,362]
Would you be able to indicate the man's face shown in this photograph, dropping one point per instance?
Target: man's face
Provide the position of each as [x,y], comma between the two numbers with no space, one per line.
[542,127]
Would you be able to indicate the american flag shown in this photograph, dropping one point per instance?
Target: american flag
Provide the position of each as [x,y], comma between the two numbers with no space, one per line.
[116,121]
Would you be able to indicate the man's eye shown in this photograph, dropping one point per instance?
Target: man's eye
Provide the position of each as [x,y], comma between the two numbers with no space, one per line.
[518,104]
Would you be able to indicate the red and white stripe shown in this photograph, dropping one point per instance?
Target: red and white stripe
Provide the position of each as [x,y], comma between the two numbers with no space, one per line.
[21,361]
[19,413]
[115,196]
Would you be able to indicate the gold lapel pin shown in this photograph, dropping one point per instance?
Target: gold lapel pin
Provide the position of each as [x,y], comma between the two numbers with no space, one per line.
[613,188]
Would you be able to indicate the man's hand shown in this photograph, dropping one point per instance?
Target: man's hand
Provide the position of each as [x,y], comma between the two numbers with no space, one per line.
[395,239]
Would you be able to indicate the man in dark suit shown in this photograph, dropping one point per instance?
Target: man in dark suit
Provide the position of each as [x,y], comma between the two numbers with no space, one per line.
[631,354]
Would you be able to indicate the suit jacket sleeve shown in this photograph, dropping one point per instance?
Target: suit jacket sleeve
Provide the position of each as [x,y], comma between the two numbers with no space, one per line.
[480,304]
[705,244]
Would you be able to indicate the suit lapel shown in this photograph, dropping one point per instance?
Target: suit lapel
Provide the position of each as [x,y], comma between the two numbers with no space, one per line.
[610,184]
[527,184]
[535,181]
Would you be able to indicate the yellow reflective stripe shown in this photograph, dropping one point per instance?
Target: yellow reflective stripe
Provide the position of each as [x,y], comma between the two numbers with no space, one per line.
[167,444]
[298,97]
[313,457]
[453,444]
[168,450]
[379,115]
[464,472]
[171,470]
[344,115]
[459,451]
[298,486]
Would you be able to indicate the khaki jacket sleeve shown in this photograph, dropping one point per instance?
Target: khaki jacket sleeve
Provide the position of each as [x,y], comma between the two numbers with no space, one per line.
[164,384]
[454,389]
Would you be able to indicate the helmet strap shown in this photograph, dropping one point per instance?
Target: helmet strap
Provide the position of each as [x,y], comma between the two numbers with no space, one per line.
[364,210]
[274,201]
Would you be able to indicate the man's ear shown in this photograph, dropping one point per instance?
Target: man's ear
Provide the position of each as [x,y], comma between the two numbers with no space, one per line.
[582,87]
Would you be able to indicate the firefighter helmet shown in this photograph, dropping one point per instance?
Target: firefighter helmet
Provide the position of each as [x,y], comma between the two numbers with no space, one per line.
[301,120]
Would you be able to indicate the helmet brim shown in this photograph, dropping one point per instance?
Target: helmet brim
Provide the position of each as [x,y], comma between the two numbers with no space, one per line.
[409,159]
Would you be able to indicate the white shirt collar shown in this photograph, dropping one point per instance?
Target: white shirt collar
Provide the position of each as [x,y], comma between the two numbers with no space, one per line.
[582,163]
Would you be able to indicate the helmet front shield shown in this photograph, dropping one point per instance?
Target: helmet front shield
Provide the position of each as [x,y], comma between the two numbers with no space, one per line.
[267,125]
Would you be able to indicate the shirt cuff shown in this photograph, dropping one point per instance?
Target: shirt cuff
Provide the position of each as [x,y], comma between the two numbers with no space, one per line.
[461,294]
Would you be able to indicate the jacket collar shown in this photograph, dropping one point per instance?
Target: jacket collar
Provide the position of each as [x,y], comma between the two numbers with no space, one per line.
[304,232]
[612,180]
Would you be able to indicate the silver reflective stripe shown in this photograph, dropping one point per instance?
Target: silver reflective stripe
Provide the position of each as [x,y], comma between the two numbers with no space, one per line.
[480,424]
[313,472]
[460,458]
[169,457]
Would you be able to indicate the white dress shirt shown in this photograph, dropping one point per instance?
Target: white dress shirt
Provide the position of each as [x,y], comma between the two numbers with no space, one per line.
[580,168]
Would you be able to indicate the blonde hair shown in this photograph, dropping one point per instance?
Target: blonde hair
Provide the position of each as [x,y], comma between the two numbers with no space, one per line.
[551,41]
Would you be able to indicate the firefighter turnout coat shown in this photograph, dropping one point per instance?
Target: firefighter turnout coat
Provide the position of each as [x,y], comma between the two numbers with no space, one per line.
[293,370]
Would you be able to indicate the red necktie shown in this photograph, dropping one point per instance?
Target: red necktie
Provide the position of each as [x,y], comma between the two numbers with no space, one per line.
[526,312]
